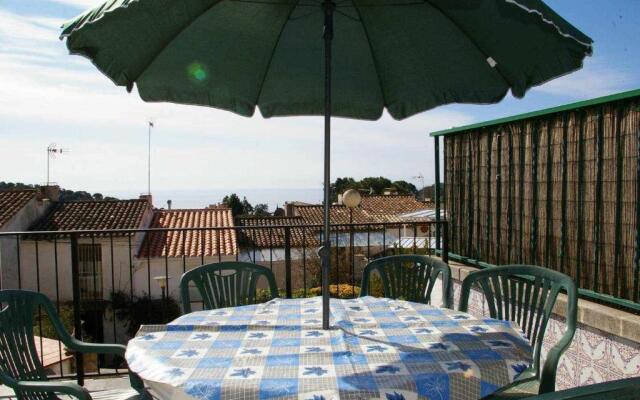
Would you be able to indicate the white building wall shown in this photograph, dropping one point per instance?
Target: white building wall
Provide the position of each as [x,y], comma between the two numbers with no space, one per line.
[21,221]
[49,269]
[124,264]
[173,267]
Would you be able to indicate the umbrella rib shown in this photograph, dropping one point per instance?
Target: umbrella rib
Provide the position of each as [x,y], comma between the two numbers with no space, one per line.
[375,60]
[473,42]
[273,51]
[347,15]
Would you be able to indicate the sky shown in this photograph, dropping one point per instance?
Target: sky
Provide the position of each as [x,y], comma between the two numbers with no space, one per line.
[48,96]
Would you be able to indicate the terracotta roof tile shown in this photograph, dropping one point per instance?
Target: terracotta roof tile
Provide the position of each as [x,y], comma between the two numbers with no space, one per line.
[388,208]
[314,215]
[191,243]
[51,352]
[11,201]
[93,215]
[275,237]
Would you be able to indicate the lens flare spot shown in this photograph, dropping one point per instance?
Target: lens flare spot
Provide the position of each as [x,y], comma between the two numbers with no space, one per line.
[197,72]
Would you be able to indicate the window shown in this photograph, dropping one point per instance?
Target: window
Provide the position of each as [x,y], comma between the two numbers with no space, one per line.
[90,268]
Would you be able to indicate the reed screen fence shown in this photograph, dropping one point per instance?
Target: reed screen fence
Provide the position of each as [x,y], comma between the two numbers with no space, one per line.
[559,190]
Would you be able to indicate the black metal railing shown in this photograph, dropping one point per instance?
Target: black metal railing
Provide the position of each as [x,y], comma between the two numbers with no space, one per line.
[105,283]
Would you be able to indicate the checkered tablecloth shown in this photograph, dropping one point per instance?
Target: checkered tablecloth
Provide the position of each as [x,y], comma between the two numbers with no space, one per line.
[376,349]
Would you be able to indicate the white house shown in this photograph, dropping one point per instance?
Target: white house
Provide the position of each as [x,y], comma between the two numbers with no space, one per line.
[188,245]
[105,259]
[19,209]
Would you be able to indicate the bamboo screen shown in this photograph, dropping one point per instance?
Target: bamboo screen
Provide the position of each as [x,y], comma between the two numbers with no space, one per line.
[560,190]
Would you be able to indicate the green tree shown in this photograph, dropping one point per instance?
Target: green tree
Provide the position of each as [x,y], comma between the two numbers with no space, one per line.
[376,184]
[405,187]
[247,208]
[70,195]
[17,185]
[234,203]
[341,185]
[372,184]
[261,210]
[65,194]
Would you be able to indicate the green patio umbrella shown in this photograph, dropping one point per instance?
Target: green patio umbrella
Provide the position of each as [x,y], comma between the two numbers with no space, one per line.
[348,58]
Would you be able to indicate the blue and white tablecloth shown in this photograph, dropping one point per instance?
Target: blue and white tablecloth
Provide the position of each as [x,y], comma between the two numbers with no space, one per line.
[376,349]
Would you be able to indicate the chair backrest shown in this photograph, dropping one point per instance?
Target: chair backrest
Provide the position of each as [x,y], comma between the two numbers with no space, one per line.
[226,284]
[526,295]
[18,355]
[410,277]
[622,389]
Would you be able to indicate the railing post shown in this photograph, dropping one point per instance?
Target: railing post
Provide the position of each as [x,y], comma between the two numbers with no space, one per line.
[437,190]
[77,320]
[445,242]
[287,261]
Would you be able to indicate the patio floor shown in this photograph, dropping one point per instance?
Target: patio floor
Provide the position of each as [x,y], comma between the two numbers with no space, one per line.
[93,385]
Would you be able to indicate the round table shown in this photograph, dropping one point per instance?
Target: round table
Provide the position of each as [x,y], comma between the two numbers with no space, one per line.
[377,348]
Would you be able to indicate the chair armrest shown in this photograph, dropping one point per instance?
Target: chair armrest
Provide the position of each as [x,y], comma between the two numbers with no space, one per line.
[99,348]
[68,388]
[74,344]
[116,349]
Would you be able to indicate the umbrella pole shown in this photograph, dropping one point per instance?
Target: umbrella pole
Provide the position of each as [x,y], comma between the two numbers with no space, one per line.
[325,251]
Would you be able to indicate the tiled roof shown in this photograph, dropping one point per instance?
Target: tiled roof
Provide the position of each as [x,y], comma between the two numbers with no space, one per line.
[314,215]
[93,215]
[11,201]
[388,208]
[191,243]
[372,209]
[275,237]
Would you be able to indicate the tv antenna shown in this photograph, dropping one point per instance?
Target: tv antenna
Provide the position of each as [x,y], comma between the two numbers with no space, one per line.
[52,151]
[420,177]
[151,125]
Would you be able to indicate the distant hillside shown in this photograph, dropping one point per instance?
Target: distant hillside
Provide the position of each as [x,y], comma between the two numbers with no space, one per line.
[65,194]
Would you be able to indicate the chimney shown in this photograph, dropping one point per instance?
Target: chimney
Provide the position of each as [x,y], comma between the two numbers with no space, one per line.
[169,204]
[51,192]
[148,198]
[290,209]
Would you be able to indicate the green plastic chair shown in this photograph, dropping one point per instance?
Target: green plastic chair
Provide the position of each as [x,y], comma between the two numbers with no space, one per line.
[225,284]
[20,366]
[526,295]
[622,389]
[409,277]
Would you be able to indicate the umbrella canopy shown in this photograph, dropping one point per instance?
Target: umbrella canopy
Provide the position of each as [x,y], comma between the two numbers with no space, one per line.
[349,58]
[405,55]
